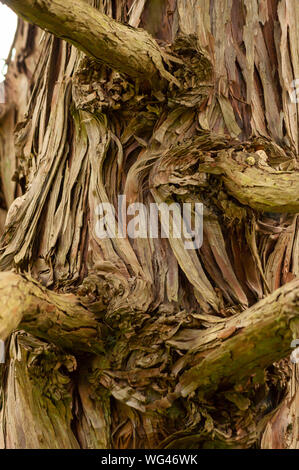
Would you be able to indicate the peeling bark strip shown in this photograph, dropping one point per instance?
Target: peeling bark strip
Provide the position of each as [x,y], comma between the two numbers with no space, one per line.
[123,48]
[37,406]
[85,134]
[256,339]
[57,318]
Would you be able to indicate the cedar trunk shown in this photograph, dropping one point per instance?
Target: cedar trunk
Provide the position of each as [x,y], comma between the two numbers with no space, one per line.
[140,343]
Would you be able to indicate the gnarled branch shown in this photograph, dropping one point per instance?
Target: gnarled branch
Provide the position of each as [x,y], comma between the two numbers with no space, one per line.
[123,48]
[247,173]
[244,345]
[225,354]
[57,318]
[260,187]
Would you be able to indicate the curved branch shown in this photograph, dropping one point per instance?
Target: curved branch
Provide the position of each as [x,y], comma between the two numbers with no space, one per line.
[222,355]
[123,48]
[57,318]
[258,186]
[246,174]
[244,345]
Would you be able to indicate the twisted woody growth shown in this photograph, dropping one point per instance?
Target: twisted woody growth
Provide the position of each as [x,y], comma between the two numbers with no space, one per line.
[142,343]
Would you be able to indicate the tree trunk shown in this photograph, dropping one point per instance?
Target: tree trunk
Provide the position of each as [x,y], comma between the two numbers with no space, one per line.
[141,343]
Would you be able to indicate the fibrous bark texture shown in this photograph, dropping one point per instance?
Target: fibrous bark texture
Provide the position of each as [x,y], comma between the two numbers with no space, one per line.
[126,50]
[134,343]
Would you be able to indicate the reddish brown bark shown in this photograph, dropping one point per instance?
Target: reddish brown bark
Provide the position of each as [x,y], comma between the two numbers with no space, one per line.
[85,134]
